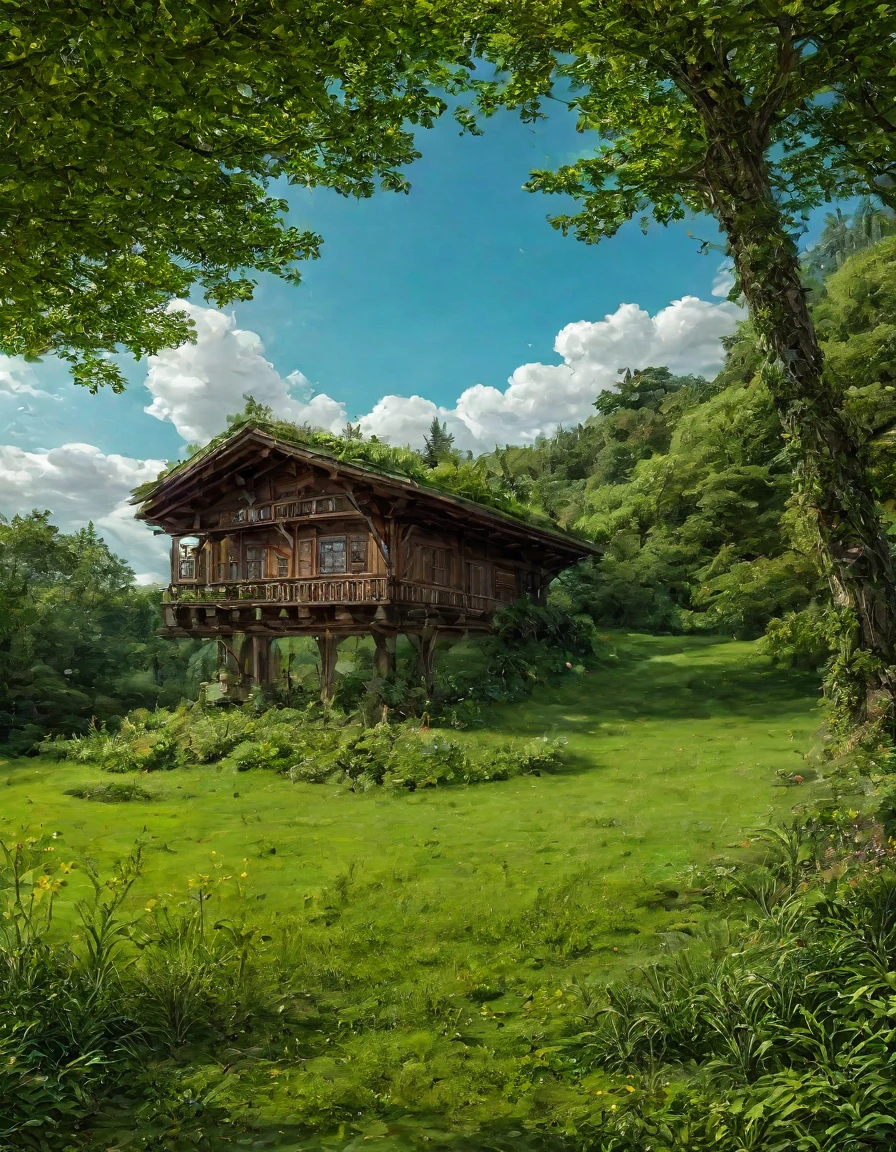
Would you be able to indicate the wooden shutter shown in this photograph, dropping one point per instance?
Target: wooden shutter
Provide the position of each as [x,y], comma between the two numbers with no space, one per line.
[358,553]
[505,585]
[477,580]
[306,556]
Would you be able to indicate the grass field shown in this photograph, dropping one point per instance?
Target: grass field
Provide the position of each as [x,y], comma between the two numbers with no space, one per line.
[440,938]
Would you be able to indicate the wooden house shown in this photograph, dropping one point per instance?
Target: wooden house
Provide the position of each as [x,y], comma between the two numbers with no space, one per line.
[272,538]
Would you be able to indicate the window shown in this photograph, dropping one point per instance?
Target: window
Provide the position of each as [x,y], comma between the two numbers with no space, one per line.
[435,565]
[188,559]
[505,585]
[331,554]
[282,566]
[255,563]
[477,580]
[359,553]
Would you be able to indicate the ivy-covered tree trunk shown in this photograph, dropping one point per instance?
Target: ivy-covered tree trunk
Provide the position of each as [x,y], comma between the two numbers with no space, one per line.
[833,476]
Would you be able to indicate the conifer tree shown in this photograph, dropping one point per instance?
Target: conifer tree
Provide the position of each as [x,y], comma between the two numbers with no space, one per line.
[437,445]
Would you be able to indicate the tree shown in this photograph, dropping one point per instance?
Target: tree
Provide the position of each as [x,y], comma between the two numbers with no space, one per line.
[77,637]
[646,388]
[845,234]
[141,140]
[706,108]
[437,445]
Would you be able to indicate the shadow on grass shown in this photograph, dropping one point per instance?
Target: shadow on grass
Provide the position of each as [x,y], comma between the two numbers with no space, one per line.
[666,679]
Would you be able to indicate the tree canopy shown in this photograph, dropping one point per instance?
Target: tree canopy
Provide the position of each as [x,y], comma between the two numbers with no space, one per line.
[142,142]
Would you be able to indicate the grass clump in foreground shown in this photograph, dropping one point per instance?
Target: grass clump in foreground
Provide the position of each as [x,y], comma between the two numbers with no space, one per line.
[307,967]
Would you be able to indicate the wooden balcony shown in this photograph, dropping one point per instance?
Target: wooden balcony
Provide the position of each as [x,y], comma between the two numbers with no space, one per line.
[345,603]
[314,590]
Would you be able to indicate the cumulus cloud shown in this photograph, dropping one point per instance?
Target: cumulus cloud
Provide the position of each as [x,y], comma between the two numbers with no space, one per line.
[724,279]
[79,483]
[685,336]
[16,380]
[197,386]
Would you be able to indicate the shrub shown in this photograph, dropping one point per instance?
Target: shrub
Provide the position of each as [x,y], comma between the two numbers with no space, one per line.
[308,747]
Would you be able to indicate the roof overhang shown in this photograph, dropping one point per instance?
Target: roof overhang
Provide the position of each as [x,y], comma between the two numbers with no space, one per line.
[245,448]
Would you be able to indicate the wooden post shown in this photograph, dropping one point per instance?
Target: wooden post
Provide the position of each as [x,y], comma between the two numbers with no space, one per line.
[384,657]
[425,643]
[242,650]
[327,647]
[261,659]
[175,556]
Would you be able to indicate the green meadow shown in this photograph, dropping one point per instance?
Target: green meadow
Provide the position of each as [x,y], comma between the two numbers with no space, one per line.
[671,757]
[429,946]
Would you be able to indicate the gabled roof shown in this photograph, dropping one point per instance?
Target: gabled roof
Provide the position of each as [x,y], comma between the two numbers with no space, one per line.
[158,502]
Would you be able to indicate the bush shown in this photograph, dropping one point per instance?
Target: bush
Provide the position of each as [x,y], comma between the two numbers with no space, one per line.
[309,748]
[799,639]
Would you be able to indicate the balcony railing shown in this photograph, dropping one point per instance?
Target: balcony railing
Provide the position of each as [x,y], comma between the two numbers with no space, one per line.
[315,590]
[333,590]
[411,592]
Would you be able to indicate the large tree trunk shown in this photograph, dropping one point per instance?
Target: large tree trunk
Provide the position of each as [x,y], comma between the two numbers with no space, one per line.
[832,470]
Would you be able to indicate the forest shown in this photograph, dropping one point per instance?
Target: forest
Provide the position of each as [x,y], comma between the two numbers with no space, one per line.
[620,876]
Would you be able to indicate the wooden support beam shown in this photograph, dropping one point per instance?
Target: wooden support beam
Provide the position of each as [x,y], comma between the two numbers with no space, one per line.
[326,645]
[425,643]
[384,656]
[261,659]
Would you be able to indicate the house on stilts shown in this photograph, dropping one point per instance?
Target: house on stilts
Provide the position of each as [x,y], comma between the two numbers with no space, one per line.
[275,538]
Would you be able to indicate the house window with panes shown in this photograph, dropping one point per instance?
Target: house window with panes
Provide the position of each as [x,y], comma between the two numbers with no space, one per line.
[331,554]
[255,563]
[435,564]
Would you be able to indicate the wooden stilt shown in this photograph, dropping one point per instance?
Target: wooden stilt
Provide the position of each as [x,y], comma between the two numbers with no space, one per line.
[242,651]
[384,656]
[261,659]
[425,643]
[327,647]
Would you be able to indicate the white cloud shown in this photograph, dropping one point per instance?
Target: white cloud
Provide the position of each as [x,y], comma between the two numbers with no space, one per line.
[539,397]
[197,386]
[724,279]
[79,483]
[16,380]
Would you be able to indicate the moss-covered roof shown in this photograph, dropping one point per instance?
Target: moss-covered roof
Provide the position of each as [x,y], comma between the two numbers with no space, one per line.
[465,479]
